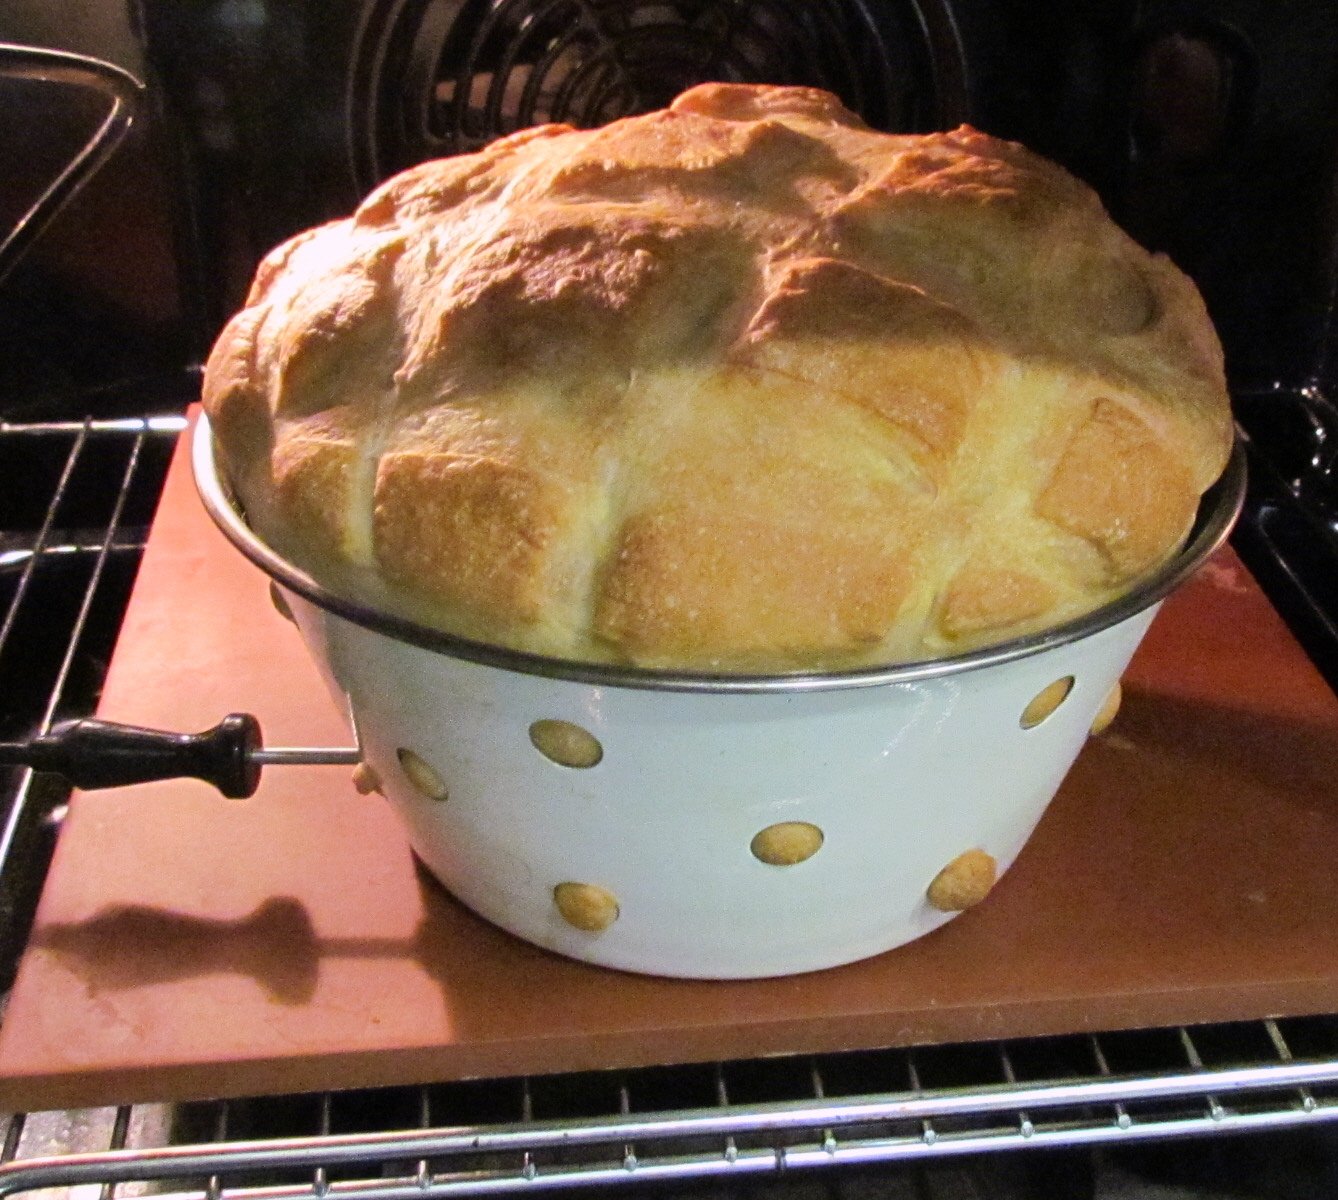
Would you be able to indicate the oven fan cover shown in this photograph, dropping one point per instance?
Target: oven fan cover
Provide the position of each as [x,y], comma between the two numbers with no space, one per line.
[437,77]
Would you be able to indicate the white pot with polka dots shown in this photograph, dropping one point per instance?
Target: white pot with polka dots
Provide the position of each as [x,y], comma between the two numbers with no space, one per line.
[716,835]
[715,827]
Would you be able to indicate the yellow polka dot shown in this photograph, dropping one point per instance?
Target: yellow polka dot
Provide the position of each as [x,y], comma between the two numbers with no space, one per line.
[423,777]
[1110,706]
[586,906]
[566,744]
[1046,701]
[787,843]
[365,779]
[964,882]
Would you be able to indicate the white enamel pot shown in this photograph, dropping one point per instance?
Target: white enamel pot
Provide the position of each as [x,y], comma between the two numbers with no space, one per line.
[648,860]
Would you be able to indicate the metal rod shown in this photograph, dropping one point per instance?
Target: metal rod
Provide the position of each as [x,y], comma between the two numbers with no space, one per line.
[1122,1117]
[214,1186]
[1215,1109]
[120,1127]
[321,1178]
[762,1161]
[1024,1121]
[306,756]
[1284,1053]
[528,1135]
[168,423]
[819,1088]
[423,1170]
[124,94]
[630,1160]
[722,1099]
[13,1132]
[19,804]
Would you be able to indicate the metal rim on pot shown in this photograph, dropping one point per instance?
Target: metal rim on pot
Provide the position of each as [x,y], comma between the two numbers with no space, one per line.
[1218,511]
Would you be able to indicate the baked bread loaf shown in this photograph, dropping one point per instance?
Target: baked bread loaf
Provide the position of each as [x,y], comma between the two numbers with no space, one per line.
[738,385]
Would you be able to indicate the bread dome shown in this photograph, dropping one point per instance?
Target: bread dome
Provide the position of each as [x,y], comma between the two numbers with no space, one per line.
[739,385]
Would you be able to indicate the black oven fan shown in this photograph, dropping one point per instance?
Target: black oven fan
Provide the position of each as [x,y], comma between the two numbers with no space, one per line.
[439,77]
[285,114]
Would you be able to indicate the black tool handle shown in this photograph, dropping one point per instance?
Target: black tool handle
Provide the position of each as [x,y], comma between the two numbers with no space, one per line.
[100,754]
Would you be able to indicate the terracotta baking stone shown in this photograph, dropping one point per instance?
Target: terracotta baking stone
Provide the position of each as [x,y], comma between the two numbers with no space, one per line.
[188,946]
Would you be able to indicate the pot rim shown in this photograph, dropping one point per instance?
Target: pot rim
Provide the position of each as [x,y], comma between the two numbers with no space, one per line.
[1218,510]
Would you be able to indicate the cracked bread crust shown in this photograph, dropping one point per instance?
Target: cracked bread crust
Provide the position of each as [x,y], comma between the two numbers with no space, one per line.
[738,385]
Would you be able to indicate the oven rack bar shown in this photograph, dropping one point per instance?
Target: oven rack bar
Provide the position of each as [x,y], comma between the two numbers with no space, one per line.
[74,520]
[725,1141]
[166,423]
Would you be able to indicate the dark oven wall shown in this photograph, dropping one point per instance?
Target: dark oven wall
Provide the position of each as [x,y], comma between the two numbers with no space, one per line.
[1208,126]
[1229,111]
[95,298]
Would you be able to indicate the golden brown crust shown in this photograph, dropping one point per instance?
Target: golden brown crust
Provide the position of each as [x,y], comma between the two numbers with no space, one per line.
[475,511]
[314,469]
[755,102]
[1121,488]
[741,385]
[982,598]
[877,343]
[698,587]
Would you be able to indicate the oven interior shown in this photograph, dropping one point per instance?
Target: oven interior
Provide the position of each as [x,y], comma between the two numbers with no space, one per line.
[1209,129]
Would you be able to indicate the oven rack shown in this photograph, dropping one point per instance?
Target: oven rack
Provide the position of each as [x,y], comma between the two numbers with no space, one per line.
[991,1108]
[67,560]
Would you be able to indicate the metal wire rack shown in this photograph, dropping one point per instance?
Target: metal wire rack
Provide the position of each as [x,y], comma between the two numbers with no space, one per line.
[75,518]
[74,515]
[610,1129]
